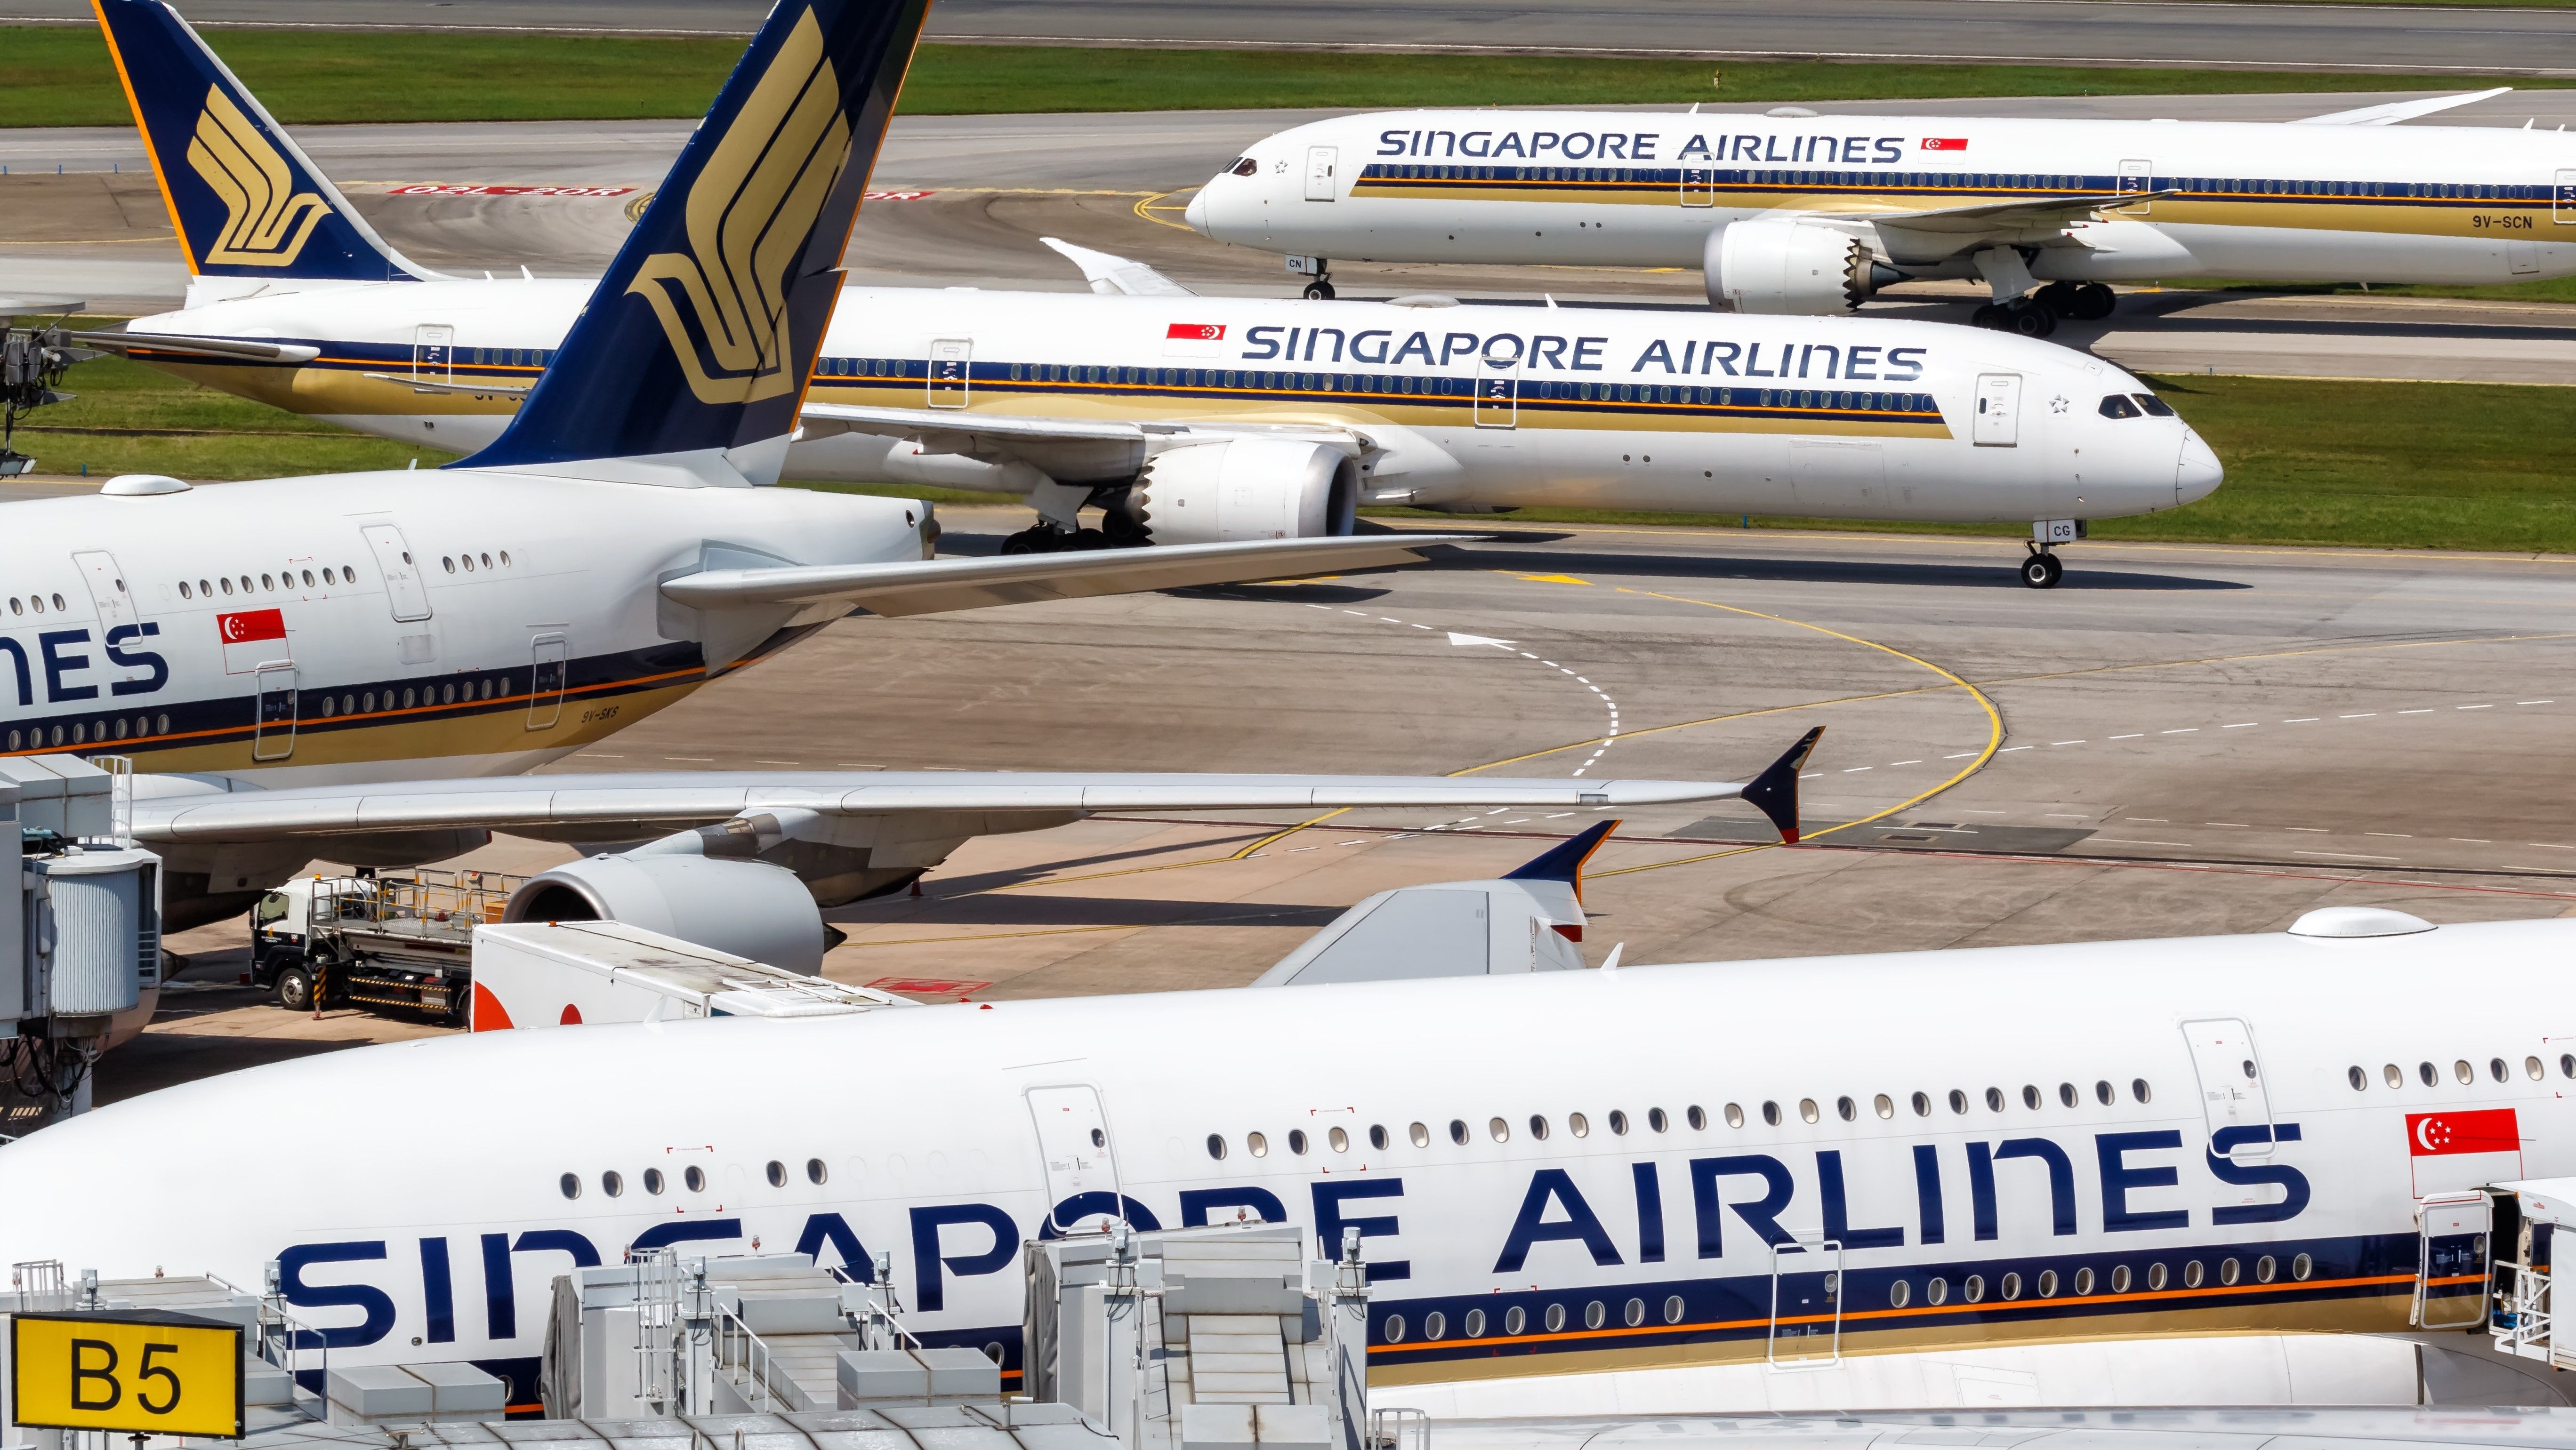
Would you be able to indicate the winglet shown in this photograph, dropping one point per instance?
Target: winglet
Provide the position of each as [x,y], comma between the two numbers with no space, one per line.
[1113,275]
[700,339]
[1775,791]
[1564,860]
[243,197]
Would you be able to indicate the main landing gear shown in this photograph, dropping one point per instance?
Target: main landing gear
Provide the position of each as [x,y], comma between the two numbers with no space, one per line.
[1116,531]
[2037,314]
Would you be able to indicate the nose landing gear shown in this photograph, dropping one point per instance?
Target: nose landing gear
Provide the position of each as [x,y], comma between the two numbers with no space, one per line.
[1320,269]
[2042,569]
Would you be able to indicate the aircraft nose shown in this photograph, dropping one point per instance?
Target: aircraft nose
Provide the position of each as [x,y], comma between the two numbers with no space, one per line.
[2197,472]
[1196,215]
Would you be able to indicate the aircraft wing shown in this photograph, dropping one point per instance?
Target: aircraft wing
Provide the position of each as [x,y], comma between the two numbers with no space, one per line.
[182,345]
[928,586]
[2396,111]
[605,806]
[1057,447]
[2048,214]
[1112,275]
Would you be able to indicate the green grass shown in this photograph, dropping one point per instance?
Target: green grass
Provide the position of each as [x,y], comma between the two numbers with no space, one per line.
[60,76]
[196,432]
[2389,465]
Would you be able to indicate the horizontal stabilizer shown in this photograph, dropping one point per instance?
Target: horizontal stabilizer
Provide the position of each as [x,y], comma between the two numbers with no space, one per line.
[430,385]
[2396,111]
[655,802]
[1115,276]
[170,344]
[929,586]
[243,197]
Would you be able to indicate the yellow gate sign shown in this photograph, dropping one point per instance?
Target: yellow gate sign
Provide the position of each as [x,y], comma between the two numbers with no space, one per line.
[136,1370]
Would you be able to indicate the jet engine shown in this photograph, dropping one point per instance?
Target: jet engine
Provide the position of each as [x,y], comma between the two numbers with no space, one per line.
[748,908]
[1245,488]
[1790,268]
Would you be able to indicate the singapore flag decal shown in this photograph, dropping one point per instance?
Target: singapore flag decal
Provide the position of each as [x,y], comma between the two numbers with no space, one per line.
[252,637]
[1194,339]
[2464,1149]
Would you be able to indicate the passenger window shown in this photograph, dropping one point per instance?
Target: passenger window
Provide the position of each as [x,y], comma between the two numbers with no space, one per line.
[1499,1131]
[1216,1146]
[1771,1114]
[1578,1125]
[1958,1101]
[1656,1120]
[1256,1145]
[2396,1076]
[1734,1116]
[2361,1080]
[1457,1132]
[1339,1141]
[1994,1100]
[1420,1135]
[1538,1127]
[1377,1136]
[1297,1141]
[2138,1089]
[1922,1105]
[1698,1117]
[1619,1120]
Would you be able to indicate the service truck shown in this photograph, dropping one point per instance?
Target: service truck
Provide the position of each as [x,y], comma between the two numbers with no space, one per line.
[402,939]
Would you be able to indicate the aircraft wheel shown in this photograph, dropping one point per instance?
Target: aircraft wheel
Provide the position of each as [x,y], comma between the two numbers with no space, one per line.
[1319,291]
[2029,319]
[1090,539]
[2062,298]
[1038,540]
[2093,302]
[2042,571]
[295,988]
[1988,315]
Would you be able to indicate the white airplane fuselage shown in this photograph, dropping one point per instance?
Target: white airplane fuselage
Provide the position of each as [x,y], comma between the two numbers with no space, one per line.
[2423,204]
[1463,406]
[1558,1171]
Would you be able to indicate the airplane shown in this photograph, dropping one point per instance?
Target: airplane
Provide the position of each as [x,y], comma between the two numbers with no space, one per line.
[1796,213]
[1553,1169]
[341,665]
[1173,415]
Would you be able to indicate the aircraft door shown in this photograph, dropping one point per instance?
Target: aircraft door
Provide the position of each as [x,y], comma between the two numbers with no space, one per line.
[1998,420]
[1498,392]
[1073,1144]
[1699,186]
[2451,1261]
[2562,199]
[408,597]
[273,736]
[2232,1095]
[1321,164]
[433,353]
[546,682]
[106,589]
[2136,176]
[952,368]
[1806,1303]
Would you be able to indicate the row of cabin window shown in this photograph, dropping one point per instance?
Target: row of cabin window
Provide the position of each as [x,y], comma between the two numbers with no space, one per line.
[1936,1291]
[268,583]
[326,705]
[505,357]
[35,602]
[693,1179]
[1809,1111]
[2463,1069]
[87,732]
[1973,181]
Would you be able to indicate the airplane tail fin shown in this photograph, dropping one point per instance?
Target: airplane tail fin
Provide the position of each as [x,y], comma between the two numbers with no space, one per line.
[701,338]
[243,197]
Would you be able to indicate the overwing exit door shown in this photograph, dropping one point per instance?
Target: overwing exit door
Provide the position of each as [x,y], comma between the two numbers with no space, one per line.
[2232,1097]
[1322,162]
[1073,1144]
[2137,176]
[1498,393]
[1806,1303]
[273,736]
[952,367]
[2562,199]
[1699,186]
[1998,419]
[403,589]
[545,681]
[433,353]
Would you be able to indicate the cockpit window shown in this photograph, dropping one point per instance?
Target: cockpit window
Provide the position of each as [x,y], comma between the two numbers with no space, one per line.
[2115,405]
[2154,405]
[1244,166]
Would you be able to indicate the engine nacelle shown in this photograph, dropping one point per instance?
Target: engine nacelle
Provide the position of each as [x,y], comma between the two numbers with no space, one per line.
[1246,488]
[1789,268]
[748,908]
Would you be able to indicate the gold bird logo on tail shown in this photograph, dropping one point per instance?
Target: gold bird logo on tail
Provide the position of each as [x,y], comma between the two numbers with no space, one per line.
[723,302]
[266,220]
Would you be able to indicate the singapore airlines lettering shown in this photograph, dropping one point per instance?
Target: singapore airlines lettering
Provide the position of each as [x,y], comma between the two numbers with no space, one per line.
[266,221]
[1503,351]
[1643,145]
[63,653]
[2137,1183]
[748,214]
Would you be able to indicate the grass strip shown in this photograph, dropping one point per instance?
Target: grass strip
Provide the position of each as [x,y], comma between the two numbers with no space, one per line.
[2384,465]
[60,76]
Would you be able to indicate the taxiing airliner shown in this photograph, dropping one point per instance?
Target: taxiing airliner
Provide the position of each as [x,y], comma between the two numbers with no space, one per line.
[1792,212]
[339,665]
[1553,1170]
[1181,419]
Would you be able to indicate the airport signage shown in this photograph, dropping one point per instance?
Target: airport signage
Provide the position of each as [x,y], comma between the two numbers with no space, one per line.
[143,1371]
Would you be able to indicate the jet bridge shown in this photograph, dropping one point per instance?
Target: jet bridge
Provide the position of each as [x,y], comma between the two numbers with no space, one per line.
[80,931]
